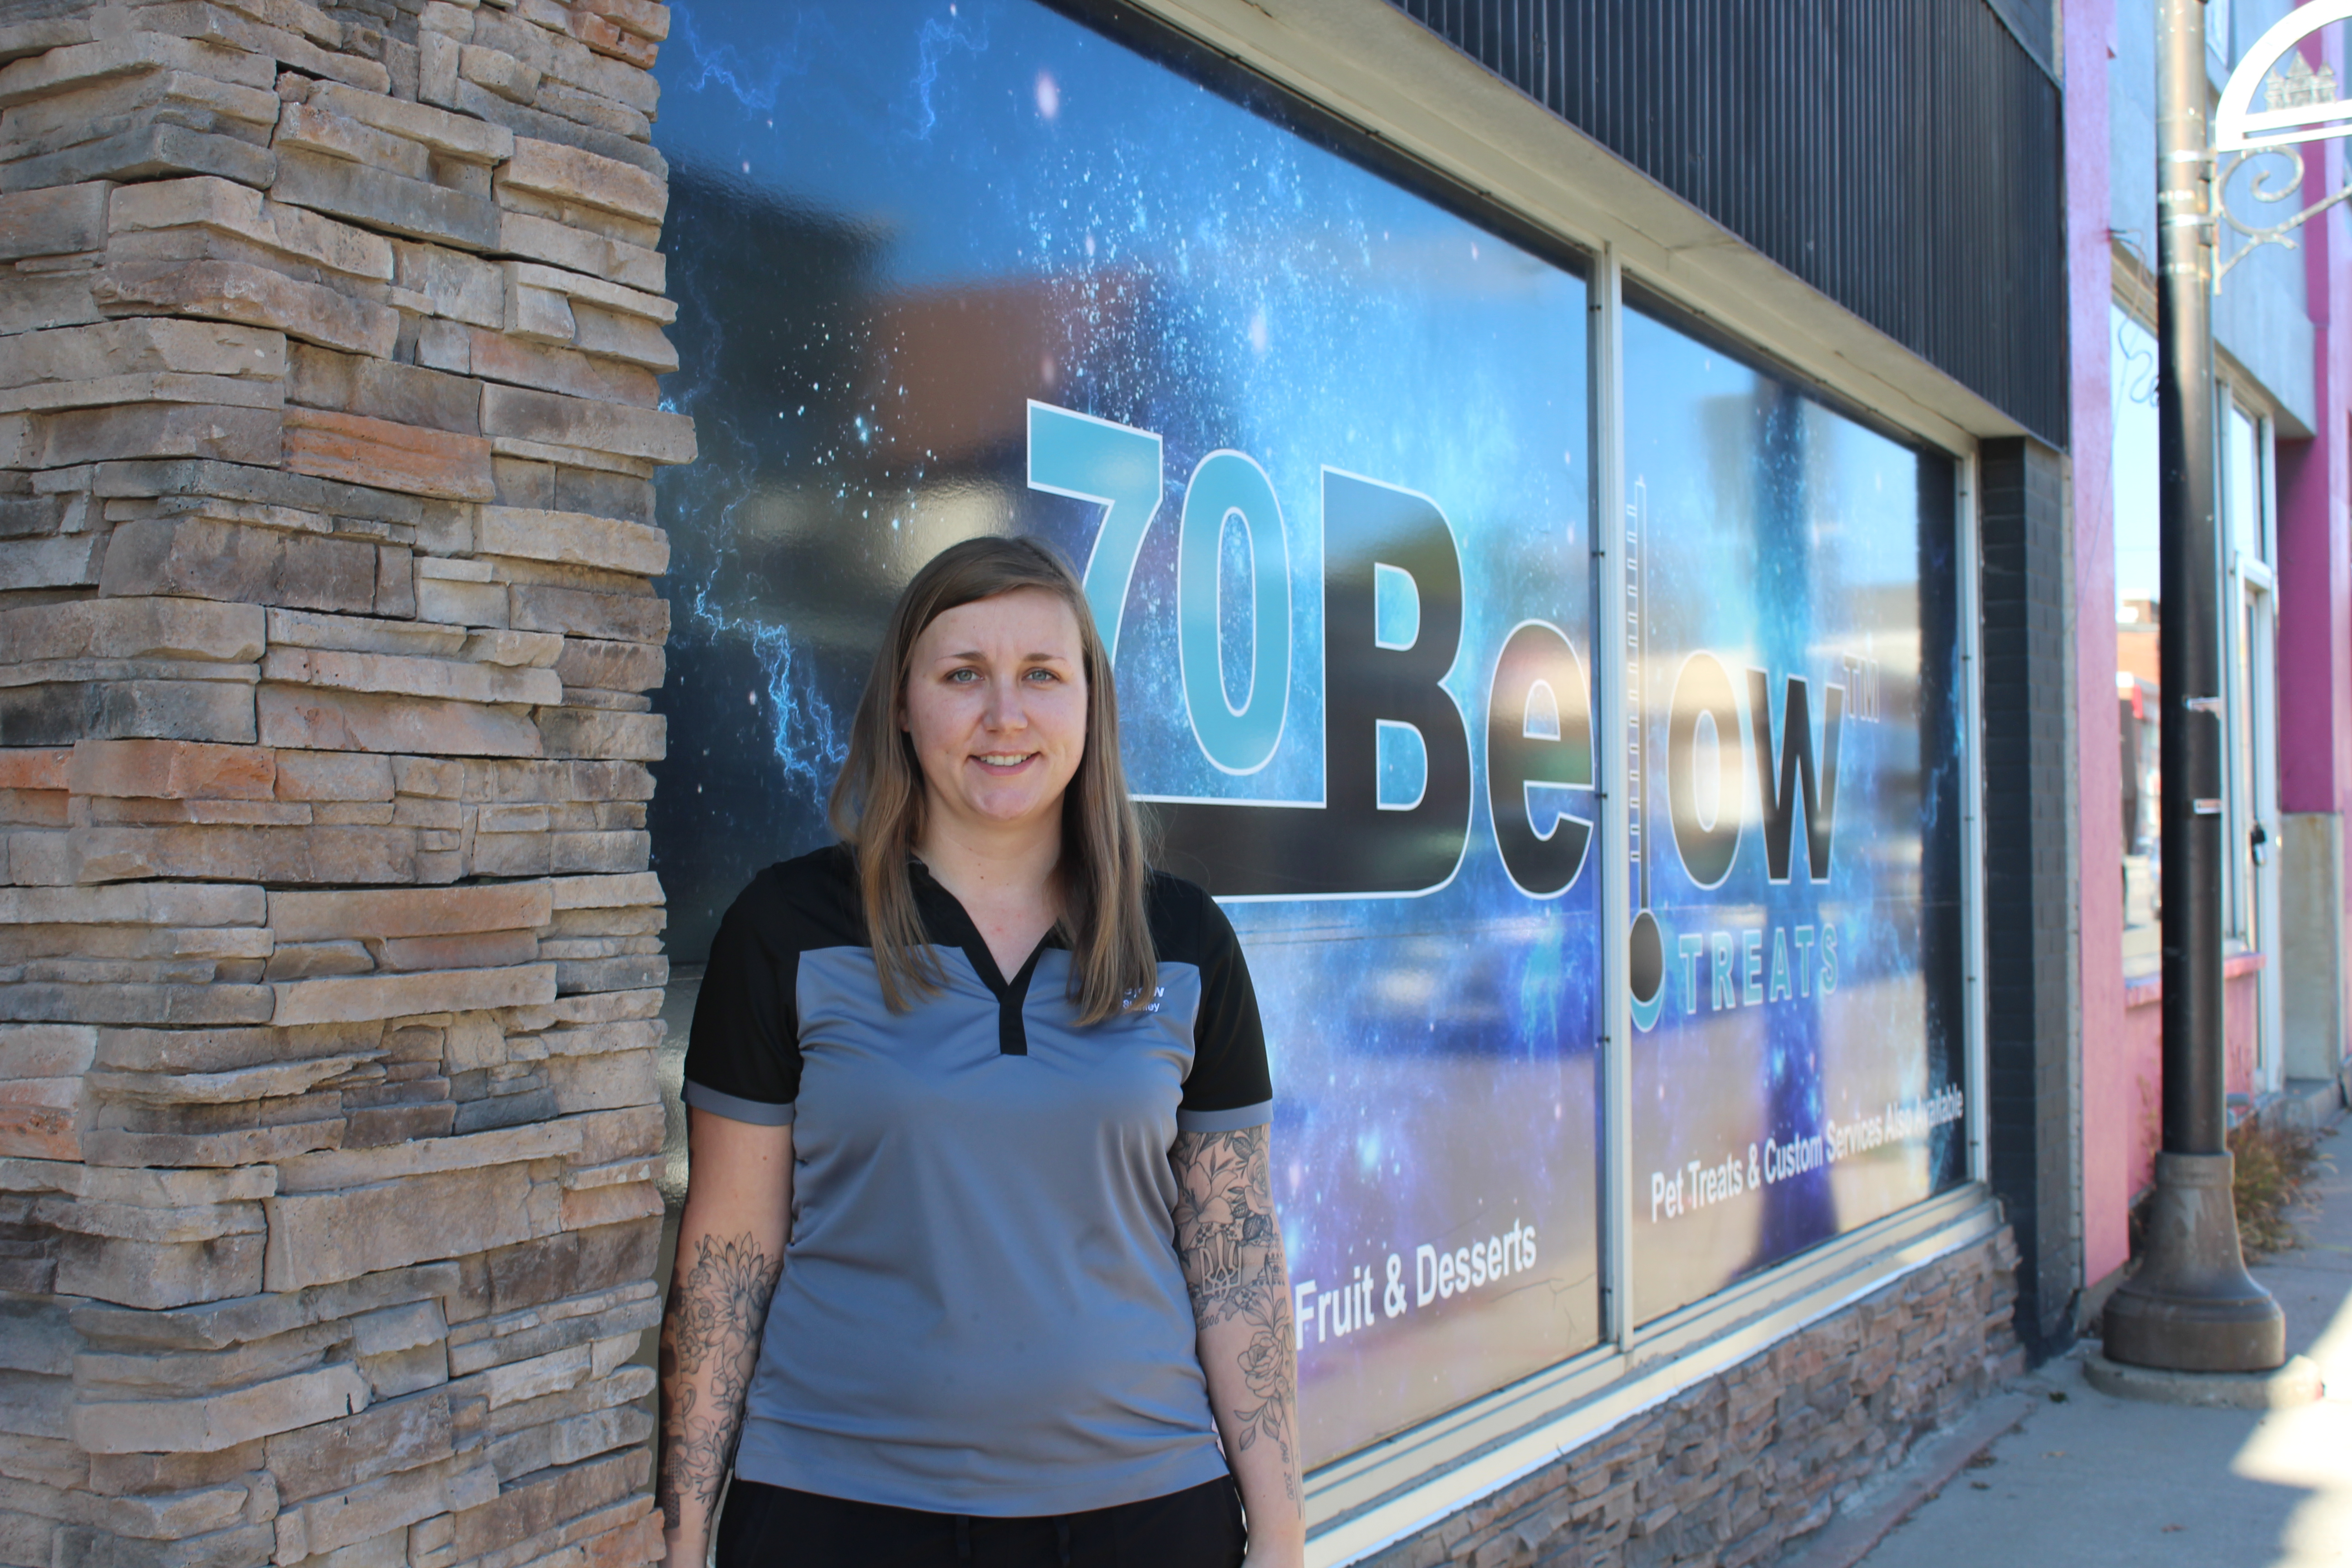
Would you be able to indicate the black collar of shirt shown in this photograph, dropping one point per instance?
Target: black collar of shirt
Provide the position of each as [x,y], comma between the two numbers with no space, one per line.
[946,923]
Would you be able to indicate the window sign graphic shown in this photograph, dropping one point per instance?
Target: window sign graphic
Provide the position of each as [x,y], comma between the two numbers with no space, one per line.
[1318,445]
[1794,705]
[1318,449]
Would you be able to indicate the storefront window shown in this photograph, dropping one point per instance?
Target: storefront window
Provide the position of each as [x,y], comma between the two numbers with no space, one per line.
[2137,594]
[2242,477]
[1316,432]
[943,274]
[2250,664]
[2247,617]
[1797,1070]
[2246,544]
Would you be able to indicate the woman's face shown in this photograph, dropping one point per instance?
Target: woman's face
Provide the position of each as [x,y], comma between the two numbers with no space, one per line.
[997,707]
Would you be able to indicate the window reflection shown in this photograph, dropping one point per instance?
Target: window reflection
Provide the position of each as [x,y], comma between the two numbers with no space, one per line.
[1794,588]
[2251,782]
[2137,619]
[884,268]
[2241,472]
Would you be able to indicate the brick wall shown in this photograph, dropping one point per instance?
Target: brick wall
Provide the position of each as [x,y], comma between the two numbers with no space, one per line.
[329,959]
[1743,1466]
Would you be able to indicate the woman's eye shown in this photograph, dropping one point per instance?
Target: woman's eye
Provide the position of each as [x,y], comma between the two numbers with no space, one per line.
[963,677]
[1043,675]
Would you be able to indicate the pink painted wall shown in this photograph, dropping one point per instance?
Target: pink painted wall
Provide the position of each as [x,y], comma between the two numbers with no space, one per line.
[2133,1108]
[2109,1064]
[2240,1024]
[2314,563]
[2313,490]
[2122,1065]
[2122,1038]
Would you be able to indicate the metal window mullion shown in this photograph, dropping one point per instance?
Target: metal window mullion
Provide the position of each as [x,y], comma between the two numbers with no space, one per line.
[1606,394]
[2259,598]
[2237,699]
[1972,932]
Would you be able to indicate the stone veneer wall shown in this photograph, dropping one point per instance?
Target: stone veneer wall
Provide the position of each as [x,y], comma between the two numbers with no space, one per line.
[1742,1468]
[329,959]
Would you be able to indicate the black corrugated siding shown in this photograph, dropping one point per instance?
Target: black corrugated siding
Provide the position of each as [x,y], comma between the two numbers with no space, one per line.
[1902,156]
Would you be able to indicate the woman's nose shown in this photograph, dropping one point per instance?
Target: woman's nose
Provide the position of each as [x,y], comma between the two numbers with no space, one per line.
[1005,710]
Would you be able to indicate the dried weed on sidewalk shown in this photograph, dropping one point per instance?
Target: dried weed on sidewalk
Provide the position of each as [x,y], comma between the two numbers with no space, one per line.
[2275,1166]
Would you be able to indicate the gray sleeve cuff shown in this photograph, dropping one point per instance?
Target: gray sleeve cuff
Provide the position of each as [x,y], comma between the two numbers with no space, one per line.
[759,1113]
[1232,1121]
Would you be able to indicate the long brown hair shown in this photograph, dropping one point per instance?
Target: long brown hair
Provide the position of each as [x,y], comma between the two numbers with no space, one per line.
[878,801]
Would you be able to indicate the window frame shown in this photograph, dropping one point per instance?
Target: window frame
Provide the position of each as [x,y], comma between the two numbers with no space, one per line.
[2249,708]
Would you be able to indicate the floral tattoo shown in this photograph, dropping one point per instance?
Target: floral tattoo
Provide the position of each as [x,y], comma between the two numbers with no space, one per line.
[710,1344]
[1232,1254]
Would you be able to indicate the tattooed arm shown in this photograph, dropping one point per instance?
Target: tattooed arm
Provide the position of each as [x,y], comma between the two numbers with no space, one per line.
[1232,1253]
[730,1252]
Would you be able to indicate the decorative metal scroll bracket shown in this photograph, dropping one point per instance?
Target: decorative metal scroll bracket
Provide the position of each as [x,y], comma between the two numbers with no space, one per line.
[2265,184]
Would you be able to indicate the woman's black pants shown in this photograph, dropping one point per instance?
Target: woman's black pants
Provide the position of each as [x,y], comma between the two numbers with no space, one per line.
[773,1527]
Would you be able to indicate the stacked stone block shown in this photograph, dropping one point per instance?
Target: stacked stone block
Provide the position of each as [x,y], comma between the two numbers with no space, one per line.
[330,962]
[1742,1469]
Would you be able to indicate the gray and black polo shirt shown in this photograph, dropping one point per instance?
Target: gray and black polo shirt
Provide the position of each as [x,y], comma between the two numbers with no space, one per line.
[981,1310]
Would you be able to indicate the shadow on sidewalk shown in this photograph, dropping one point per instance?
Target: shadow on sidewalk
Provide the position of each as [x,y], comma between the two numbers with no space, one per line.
[2087,1480]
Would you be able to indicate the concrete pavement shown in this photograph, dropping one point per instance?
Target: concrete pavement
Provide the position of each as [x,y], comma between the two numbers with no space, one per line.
[2087,1480]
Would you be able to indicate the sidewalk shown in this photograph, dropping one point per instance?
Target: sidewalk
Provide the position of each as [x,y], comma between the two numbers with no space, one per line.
[2086,1481]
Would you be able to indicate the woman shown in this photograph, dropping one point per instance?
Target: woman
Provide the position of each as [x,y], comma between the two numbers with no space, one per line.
[978,1258]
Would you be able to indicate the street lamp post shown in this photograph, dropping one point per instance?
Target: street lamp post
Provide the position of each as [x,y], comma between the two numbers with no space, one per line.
[2192,1306]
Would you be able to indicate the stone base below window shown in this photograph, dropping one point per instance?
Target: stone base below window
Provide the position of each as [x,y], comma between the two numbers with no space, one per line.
[1736,1468]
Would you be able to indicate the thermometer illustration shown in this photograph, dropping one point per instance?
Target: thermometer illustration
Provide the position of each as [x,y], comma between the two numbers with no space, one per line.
[1645,946]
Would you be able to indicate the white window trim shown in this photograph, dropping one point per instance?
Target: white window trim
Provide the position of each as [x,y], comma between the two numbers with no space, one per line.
[2253,911]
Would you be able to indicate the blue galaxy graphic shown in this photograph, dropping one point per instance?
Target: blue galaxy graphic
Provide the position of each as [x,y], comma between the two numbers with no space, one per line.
[894,227]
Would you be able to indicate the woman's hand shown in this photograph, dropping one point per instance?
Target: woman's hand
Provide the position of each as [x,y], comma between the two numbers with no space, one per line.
[730,1253]
[1231,1250]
